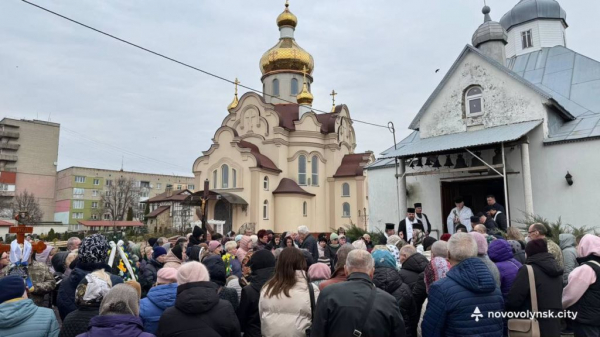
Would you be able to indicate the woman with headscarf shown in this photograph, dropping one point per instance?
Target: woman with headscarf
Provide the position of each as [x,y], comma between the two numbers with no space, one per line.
[318,273]
[243,249]
[359,244]
[119,315]
[518,251]
[391,245]
[174,257]
[160,297]
[437,269]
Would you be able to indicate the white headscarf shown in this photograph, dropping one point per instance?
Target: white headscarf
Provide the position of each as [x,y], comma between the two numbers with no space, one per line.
[16,254]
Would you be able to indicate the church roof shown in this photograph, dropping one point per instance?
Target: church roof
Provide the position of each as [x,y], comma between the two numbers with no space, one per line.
[289,113]
[573,80]
[262,161]
[352,165]
[288,186]
[327,121]
[528,10]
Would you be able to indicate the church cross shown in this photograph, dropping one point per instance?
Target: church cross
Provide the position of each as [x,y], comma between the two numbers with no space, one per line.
[333,94]
[236,85]
[21,229]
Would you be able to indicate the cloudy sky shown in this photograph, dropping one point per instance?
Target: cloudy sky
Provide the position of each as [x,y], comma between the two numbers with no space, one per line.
[114,101]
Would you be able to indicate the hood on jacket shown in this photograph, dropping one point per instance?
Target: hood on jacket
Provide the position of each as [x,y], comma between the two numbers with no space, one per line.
[259,277]
[15,313]
[589,245]
[115,325]
[244,243]
[566,240]
[416,262]
[547,263]
[474,275]
[516,246]
[500,250]
[197,297]
[163,296]
[171,257]
[216,269]
[387,279]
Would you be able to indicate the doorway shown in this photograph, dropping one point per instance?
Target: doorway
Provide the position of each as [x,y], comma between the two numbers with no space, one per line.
[223,212]
[474,193]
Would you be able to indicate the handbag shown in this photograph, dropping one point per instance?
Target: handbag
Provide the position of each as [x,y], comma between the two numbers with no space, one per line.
[526,327]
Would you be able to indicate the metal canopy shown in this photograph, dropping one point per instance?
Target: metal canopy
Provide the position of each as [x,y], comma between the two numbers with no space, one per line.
[455,141]
[233,198]
[195,199]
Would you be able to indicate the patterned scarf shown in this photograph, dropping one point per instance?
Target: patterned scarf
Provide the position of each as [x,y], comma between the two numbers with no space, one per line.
[435,270]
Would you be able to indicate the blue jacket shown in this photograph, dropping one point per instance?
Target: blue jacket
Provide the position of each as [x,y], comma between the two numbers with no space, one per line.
[236,267]
[151,308]
[24,318]
[453,302]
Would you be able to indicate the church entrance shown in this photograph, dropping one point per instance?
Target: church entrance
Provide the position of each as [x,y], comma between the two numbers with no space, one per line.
[224,212]
[473,191]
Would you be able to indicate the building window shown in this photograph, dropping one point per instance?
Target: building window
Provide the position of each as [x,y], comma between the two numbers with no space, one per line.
[94,204]
[345,190]
[179,187]
[94,216]
[191,187]
[3,187]
[345,210]
[474,101]
[107,205]
[526,39]
[266,210]
[275,87]
[224,176]
[315,170]
[215,179]
[294,86]
[108,193]
[94,193]
[144,194]
[108,182]
[77,215]
[158,186]
[106,217]
[266,183]
[234,178]
[79,179]
[78,204]
[96,182]
[305,209]
[144,184]
[78,192]
[302,170]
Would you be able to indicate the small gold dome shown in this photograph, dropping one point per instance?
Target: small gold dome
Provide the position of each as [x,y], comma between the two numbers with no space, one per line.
[286,55]
[305,97]
[287,18]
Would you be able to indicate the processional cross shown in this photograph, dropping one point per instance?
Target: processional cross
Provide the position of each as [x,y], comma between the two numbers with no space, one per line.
[21,229]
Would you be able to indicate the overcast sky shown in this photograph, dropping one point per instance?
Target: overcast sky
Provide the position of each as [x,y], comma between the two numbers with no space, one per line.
[114,101]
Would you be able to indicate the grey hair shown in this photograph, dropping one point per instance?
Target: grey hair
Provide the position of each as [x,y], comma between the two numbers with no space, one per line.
[230,245]
[462,246]
[160,241]
[393,240]
[360,260]
[409,250]
[342,255]
[303,230]
[439,249]
[71,243]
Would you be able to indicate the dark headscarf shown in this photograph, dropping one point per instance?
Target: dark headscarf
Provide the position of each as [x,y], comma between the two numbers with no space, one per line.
[93,249]
[535,247]
[178,251]
[216,269]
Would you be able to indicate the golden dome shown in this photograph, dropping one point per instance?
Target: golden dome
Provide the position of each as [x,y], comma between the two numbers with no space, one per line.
[235,101]
[304,97]
[286,55]
[287,18]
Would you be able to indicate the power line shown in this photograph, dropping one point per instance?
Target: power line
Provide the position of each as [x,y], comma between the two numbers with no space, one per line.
[180,62]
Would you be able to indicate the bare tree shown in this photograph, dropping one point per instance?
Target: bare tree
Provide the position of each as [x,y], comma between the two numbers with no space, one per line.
[121,195]
[6,207]
[27,202]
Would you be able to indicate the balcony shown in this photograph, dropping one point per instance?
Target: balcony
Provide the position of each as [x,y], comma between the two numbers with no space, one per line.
[10,146]
[8,157]
[9,134]
[7,193]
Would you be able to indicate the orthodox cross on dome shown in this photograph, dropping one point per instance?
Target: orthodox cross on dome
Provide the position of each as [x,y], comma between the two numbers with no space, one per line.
[333,94]
[235,101]
[287,3]
[272,55]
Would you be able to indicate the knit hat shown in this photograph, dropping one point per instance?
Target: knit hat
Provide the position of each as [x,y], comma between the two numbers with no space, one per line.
[178,251]
[213,245]
[166,275]
[482,244]
[319,271]
[333,236]
[254,238]
[238,237]
[122,299]
[158,251]
[427,242]
[12,287]
[135,285]
[446,237]
[152,242]
[535,247]
[216,269]
[192,272]
[93,249]
[384,259]
[261,259]
[197,232]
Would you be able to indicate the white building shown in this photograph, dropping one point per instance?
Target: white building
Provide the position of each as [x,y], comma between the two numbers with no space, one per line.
[518,96]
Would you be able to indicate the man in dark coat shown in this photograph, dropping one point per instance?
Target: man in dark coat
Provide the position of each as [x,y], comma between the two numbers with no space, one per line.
[498,216]
[389,231]
[406,227]
[413,265]
[262,265]
[488,221]
[491,201]
[422,217]
[342,308]
[308,242]
[149,276]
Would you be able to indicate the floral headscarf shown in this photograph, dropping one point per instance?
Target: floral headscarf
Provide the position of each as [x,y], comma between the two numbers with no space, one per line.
[93,249]
[435,270]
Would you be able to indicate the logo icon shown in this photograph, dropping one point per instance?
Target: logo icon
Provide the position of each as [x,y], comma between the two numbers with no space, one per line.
[477,314]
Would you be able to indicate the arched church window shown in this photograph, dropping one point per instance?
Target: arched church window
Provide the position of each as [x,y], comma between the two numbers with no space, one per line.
[266,183]
[345,210]
[224,176]
[315,170]
[234,178]
[275,87]
[294,86]
[305,209]
[302,170]
[265,210]
[474,101]
[345,190]
[215,179]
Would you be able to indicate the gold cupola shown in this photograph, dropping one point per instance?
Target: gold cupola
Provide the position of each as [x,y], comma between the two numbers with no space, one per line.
[235,101]
[305,97]
[286,55]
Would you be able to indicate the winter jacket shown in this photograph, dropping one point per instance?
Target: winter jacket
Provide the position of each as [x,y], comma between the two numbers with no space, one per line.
[152,307]
[43,282]
[310,244]
[22,318]
[236,267]
[234,283]
[172,261]
[287,316]
[77,321]
[567,245]
[198,311]
[115,325]
[500,252]
[492,267]
[518,249]
[500,220]
[216,269]
[149,276]
[66,292]
[388,280]
[412,270]
[247,312]
[338,276]
[341,308]
[548,285]
[555,250]
[468,286]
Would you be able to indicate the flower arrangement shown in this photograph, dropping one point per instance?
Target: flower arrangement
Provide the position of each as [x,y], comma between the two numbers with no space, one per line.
[227,260]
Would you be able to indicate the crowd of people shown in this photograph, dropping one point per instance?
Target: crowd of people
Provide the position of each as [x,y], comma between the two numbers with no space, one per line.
[304,284]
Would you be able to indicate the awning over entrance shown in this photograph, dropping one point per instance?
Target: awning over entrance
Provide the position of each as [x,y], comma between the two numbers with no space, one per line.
[459,141]
[195,199]
[233,198]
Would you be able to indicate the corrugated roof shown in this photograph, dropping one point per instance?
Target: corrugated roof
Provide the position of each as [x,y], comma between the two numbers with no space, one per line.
[495,135]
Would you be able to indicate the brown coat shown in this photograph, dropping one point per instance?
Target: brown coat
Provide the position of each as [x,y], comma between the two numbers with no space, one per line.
[338,276]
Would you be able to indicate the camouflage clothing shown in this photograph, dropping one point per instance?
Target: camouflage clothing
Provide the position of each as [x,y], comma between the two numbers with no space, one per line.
[43,282]
[555,250]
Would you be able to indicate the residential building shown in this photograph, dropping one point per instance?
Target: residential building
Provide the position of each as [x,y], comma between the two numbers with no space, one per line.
[79,191]
[517,116]
[278,165]
[28,158]
[167,211]
[103,225]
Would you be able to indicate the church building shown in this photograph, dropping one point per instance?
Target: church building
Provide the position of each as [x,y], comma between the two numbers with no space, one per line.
[275,163]
[517,116]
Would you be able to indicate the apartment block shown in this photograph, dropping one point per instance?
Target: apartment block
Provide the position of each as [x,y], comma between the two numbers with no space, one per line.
[79,191]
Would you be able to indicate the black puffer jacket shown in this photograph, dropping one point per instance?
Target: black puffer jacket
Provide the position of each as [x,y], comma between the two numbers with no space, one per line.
[411,272]
[150,275]
[198,311]
[247,312]
[78,321]
[388,279]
